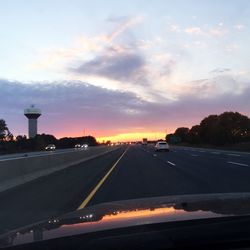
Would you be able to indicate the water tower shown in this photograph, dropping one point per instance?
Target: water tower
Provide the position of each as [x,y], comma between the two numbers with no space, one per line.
[32,114]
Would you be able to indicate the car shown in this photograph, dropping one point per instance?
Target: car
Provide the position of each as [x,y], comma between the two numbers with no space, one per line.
[161,146]
[50,147]
[78,146]
[85,146]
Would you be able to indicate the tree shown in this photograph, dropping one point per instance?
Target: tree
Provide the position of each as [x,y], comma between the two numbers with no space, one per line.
[108,142]
[21,138]
[207,129]
[182,133]
[68,142]
[21,142]
[42,140]
[194,135]
[232,127]
[173,139]
[90,140]
[5,134]
[168,137]
[226,128]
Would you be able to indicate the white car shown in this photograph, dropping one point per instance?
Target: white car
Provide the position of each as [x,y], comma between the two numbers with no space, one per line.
[85,146]
[161,146]
[50,147]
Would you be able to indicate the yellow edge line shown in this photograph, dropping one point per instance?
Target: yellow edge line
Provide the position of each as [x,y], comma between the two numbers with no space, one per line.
[86,201]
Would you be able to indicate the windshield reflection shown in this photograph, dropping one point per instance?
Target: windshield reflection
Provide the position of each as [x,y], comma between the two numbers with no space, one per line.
[107,217]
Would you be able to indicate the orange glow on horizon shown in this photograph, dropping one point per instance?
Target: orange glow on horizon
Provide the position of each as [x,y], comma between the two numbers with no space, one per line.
[126,137]
[112,135]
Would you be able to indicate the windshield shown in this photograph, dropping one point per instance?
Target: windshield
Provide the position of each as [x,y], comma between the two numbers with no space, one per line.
[104,101]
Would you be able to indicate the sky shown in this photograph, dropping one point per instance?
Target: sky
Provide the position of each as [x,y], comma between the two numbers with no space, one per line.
[122,70]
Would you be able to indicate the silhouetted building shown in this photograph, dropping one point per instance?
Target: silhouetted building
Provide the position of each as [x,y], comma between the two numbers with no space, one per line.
[32,114]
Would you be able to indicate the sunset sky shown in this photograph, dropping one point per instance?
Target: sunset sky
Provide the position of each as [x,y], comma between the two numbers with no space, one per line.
[122,70]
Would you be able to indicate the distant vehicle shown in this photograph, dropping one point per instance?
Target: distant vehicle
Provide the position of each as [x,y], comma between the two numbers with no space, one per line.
[85,146]
[50,147]
[161,146]
[144,141]
[78,146]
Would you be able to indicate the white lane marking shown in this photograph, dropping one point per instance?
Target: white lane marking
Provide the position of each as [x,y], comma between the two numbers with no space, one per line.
[202,151]
[233,155]
[216,153]
[171,163]
[194,155]
[237,163]
[155,155]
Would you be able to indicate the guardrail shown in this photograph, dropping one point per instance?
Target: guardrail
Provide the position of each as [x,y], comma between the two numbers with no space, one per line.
[14,172]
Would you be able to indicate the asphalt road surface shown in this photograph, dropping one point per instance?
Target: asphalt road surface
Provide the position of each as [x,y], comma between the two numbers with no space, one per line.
[129,172]
[37,153]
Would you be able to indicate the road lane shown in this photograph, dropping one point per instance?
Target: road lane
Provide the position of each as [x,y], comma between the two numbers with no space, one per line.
[216,171]
[243,157]
[100,183]
[58,193]
[35,154]
[226,156]
[210,150]
[9,157]
[139,173]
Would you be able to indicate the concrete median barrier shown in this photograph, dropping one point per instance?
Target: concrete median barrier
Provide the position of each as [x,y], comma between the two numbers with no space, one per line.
[14,172]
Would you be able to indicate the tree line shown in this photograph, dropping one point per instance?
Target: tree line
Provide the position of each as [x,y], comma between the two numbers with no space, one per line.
[21,143]
[219,130]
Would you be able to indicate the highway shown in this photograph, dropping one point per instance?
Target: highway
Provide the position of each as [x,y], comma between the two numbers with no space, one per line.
[5,157]
[129,172]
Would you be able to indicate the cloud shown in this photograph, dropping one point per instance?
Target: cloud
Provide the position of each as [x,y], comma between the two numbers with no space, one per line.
[220,70]
[174,28]
[218,31]
[117,65]
[123,25]
[194,31]
[239,27]
[70,107]
[221,81]
[126,61]
[231,47]
[84,46]
[153,69]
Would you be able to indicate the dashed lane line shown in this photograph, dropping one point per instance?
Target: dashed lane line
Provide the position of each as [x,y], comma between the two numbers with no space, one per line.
[238,163]
[171,163]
